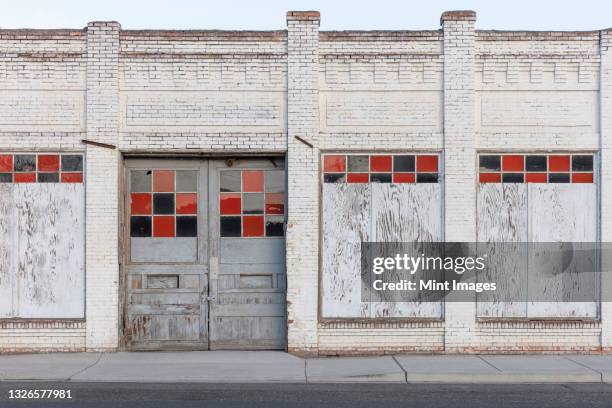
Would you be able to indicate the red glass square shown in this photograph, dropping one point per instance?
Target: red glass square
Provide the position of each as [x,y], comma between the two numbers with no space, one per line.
[48,162]
[357,178]
[381,163]
[536,178]
[427,164]
[489,178]
[24,177]
[6,163]
[140,204]
[513,163]
[163,181]
[334,163]
[558,163]
[186,203]
[252,226]
[252,181]
[275,203]
[403,178]
[230,203]
[72,177]
[582,177]
[163,226]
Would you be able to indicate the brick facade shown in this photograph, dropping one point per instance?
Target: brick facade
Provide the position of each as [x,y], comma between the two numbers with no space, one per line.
[302,92]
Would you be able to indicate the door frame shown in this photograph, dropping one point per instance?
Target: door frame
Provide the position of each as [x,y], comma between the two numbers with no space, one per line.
[208,229]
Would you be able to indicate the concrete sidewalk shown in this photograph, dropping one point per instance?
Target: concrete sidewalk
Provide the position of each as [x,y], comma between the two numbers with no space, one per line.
[269,366]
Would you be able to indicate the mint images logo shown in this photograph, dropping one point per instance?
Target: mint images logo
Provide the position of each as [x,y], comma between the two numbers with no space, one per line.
[491,272]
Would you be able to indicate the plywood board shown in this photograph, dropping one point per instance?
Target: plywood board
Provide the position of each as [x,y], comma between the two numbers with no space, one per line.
[502,221]
[42,250]
[346,223]
[562,213]
[8,252]
[406,213]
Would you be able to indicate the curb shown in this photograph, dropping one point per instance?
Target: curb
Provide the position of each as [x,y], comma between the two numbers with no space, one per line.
[505,378]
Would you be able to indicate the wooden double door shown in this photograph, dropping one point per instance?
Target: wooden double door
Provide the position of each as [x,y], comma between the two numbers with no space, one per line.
[205,254]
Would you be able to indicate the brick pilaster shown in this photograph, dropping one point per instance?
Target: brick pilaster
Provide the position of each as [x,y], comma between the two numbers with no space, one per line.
[303,179]
[606,184]
[459,159]
[102,170]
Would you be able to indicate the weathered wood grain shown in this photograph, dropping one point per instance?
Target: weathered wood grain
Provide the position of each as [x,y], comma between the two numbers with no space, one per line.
[51,250]
[45,238]
[502,230]
[7,252]
[407,213]
[346,223]
[562,213]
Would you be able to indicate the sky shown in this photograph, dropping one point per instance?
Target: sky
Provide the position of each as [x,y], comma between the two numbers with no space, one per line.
[335,14]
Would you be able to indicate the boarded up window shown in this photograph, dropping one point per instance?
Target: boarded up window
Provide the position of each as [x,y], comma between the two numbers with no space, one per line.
[544,211]
[42,235]
[377,207]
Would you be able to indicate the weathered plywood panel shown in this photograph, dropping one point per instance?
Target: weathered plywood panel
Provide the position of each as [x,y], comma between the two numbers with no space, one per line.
[502,218]
[406,213]
[8,250]
[50,249]
[346,223]
[42,250]
[562,213]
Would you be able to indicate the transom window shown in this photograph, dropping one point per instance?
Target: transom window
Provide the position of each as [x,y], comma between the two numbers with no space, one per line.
[377,168]
[535,168]
[41,168]
[163,203]
[252,203]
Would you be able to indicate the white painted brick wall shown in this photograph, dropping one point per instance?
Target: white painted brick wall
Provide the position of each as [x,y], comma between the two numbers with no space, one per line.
[456,90]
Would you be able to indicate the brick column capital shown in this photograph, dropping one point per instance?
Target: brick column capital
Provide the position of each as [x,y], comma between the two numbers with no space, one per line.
[313,16]
[457,15]
[101,24]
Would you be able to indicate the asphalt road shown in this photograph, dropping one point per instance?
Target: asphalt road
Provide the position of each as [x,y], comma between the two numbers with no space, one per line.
[325,395]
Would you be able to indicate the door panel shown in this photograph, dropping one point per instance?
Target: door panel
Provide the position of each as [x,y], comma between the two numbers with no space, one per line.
[167,268]
[248,278]
[172,302]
